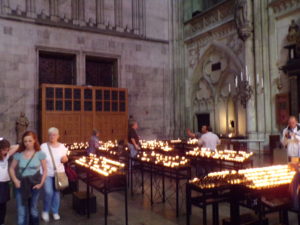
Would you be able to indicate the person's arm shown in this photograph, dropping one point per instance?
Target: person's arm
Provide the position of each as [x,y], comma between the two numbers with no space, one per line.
[44,167]
[97,144]
[64,158]
[284,140]
[13,149]
[12,172]
[200,142]
[135,144]
[218,141]
[190,133]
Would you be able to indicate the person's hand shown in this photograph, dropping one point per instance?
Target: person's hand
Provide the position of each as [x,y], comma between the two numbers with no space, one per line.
[38,186]
[64,159]
[137,147]
[17,183]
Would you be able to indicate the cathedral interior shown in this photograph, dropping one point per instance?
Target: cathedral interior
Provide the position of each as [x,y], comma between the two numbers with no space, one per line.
[172,67]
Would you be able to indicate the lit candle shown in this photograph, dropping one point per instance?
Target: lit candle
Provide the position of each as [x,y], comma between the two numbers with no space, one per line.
[236,81]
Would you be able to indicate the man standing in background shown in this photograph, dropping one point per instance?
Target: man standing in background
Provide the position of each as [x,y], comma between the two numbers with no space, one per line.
[291,138]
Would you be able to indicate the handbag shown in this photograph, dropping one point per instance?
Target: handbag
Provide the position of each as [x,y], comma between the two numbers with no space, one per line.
[71,173]
[60,178]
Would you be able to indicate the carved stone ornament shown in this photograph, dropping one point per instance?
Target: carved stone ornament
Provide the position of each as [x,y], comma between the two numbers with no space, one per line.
[21,126]
[294,32]
[242,23]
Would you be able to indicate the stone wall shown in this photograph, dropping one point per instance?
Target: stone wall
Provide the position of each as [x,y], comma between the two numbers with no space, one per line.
[259,45]
[140,45]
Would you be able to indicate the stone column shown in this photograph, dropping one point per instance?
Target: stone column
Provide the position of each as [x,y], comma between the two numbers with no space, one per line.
[5,7]
[259,50]
[141,17]
[30,8]
[249,62]
[138,17]
[78,14]
[75,8]
[180,118]
[135,16]
[54,10]
[118,10]
[272,67]
[81,12]
[100,14]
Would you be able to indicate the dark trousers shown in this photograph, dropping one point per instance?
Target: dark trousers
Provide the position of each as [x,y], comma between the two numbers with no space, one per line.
[2,212]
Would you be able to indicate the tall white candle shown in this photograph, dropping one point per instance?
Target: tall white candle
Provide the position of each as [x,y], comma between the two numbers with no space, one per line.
[241,76]
[257,78]
[229,88]
[236,81]
[262,82]
[247,72]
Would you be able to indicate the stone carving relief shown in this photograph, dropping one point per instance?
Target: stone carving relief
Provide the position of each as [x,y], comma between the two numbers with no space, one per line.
[284,6]
[194,46]
[72,13]
[241,19]
[203,92]
[214,58]
[235,44]
[218,15]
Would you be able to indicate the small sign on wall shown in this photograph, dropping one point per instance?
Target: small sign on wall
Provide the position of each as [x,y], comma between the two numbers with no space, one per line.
[282,109]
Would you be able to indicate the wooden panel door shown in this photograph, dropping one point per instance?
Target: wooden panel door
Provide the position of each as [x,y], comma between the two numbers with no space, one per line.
[77,110]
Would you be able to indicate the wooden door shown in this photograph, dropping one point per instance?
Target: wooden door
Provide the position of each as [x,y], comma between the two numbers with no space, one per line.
[77,110]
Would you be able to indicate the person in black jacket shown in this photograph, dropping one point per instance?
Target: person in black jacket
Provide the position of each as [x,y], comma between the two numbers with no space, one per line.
[133,139]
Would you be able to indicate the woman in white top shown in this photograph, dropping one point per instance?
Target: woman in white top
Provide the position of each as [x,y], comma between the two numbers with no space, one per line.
[59,152]
[6,151]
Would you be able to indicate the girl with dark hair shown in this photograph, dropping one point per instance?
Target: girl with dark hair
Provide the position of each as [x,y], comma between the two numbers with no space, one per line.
[27,178]
[5,152]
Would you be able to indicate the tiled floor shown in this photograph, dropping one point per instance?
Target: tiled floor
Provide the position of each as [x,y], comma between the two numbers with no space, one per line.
[140,210]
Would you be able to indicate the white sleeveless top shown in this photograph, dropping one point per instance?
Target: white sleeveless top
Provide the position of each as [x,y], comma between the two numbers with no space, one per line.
[4,176]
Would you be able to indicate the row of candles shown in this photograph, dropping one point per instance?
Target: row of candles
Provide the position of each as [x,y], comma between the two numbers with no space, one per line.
[254,178]
[101,165]
[155,145]
[227,155]
[163,160]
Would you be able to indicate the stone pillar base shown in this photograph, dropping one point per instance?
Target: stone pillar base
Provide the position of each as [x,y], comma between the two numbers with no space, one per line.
[253,146]
[135,31]
[119,29]
[75,22]
[31,14]
[101,26]
[54,18]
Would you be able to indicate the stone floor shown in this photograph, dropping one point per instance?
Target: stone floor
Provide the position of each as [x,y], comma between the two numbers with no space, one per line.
[140,210]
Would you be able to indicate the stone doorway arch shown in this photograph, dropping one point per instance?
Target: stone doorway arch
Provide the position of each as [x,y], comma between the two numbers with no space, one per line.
[212,85]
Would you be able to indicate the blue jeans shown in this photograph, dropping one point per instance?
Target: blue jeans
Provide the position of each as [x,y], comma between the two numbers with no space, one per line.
[51,196]
[133,151]
[28,209]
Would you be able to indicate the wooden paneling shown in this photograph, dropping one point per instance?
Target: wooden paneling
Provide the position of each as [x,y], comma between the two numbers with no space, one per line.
[77,110]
